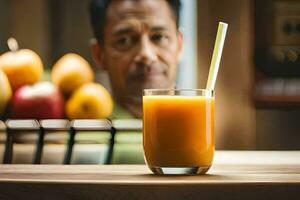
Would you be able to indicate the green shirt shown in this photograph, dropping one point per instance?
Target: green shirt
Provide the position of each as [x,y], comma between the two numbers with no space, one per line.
[128,147]
[120,113]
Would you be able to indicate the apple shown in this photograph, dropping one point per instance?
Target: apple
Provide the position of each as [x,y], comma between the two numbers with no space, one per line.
[70,72]
[89,101]
[42,100]
[21,66]
[5,92]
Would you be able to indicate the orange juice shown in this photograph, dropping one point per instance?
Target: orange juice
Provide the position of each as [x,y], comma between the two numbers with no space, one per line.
[178,131]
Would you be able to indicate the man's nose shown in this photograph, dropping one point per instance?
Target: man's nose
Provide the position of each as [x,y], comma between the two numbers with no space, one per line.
[146,53]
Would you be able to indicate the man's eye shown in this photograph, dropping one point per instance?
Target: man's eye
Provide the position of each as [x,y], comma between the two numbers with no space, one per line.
[123,42]
[158,38]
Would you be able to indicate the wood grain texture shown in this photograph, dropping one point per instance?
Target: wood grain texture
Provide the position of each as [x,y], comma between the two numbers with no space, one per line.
[235,175]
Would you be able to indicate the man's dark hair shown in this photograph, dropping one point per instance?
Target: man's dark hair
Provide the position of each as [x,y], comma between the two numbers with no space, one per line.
[98,9]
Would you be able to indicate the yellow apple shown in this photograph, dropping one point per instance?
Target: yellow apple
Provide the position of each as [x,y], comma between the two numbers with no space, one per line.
[70,72]
[22,67]
[5,92]
[90,101]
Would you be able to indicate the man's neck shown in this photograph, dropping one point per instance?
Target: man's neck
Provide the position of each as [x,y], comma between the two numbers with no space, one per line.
[131,104]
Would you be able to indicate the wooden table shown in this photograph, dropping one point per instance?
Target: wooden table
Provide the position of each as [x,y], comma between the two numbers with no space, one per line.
[235,175]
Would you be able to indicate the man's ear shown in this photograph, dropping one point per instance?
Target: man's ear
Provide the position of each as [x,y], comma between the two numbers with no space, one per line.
[180,45]
[97,53]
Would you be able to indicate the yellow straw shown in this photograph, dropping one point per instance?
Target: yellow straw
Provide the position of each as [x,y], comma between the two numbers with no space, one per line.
[216,58]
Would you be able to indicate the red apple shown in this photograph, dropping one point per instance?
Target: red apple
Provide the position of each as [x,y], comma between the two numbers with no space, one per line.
[39,101]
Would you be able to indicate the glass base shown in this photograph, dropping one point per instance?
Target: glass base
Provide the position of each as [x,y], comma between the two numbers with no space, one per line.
[179,170]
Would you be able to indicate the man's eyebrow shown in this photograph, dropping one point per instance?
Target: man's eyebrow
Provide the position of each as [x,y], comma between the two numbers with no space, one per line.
[125,30]
[122,30]
[159,28]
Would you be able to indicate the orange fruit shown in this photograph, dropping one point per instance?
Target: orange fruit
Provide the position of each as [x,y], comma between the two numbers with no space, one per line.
[5,92]
[90,101]
[70,72]
[22,67]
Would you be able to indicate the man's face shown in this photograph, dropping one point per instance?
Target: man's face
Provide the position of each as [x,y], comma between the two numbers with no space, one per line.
[141,47]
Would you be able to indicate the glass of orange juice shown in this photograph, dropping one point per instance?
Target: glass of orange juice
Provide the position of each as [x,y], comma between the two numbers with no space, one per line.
[178,130]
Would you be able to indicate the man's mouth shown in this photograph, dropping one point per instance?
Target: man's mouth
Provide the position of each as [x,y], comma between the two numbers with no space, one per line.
[145,72]
[148,75]
[152,75]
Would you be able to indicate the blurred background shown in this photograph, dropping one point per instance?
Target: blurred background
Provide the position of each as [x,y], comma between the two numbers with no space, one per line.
[258,87]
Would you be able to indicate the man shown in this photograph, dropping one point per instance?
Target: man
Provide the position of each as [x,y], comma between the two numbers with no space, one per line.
[138,44]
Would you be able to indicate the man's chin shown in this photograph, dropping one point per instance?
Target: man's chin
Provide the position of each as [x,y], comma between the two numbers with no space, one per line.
[135,99]
[155,85]
[135,91]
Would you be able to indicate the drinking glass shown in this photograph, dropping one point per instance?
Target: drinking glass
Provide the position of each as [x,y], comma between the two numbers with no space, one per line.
[178,130]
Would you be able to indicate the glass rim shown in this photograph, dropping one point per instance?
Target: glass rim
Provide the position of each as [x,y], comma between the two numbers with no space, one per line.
[178,89]
[179,92]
